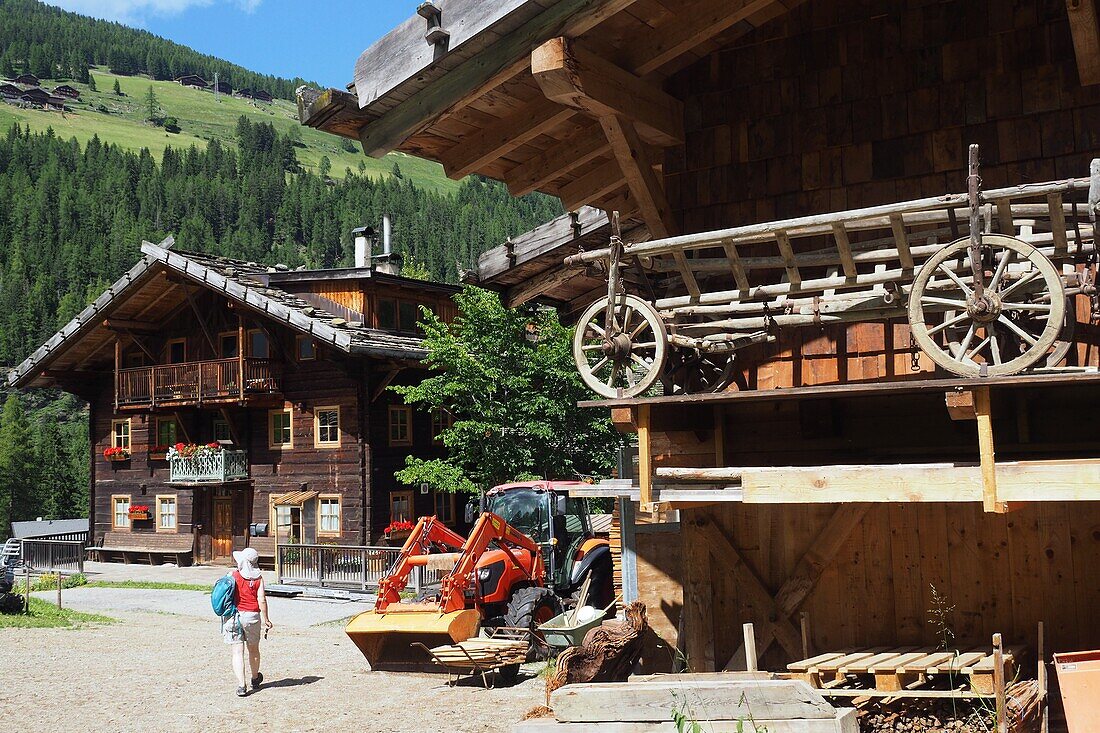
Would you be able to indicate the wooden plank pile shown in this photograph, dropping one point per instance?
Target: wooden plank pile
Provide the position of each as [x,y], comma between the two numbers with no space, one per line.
[903,668]
[475,655]
[722,703]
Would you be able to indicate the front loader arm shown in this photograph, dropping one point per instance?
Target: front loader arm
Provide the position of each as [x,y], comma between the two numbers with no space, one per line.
[429,531]
[489,528]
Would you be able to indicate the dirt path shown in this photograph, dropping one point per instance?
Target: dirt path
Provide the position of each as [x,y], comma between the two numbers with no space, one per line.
[159,672]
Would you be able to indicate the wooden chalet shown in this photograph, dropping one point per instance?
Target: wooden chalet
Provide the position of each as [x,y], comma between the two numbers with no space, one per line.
[29,80]
[223,87]
[281,374]
[839,486]
[257,95]
[64,90]
[193,80]
[10,91]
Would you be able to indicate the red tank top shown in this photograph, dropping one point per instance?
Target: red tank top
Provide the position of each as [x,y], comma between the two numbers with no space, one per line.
[247,591]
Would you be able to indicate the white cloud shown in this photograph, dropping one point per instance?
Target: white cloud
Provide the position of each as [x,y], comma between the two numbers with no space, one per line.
[135,12]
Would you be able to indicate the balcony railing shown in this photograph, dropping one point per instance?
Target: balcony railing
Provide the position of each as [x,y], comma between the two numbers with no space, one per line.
[212,467]
[196,382]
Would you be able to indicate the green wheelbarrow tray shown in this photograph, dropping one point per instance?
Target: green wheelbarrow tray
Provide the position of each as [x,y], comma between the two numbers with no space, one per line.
[559,633]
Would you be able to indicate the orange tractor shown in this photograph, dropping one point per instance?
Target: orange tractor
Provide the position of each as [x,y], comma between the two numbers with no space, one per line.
[527,556]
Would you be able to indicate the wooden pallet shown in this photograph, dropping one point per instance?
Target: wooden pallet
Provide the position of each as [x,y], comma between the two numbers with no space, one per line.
[902,668]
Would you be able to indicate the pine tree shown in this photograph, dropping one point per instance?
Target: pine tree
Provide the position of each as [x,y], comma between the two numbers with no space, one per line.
[6,67]
[117,89]
[54,482]
[152,105]
[91,83]
[40,64]
[18,474]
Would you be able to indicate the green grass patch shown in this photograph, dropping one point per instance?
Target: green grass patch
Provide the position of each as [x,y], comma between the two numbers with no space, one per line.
[121,120]
[46,615]
[149,585]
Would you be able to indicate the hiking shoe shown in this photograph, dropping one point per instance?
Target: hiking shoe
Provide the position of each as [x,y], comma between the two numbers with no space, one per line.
[242,691]
[257,680]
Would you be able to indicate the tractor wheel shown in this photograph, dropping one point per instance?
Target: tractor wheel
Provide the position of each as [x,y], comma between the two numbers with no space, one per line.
[528,608]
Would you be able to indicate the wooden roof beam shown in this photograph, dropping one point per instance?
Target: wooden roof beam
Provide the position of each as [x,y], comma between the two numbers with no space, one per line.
[1084,26]
[557,160]
[645,187]
[533,288]
[573,76]
[592,186]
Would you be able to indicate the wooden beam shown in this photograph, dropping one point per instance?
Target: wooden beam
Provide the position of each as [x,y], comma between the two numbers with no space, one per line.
[986,452]
[960,404]
[901,239]
[592,186]
[644,186]
[844,248]
[506,134]
[794,277]
[482,72]
[385,382]
[528,290]
[123,324]
[906,483]
[645,459]
[698,611]
[1084,26]
[557,160]
[737,269]
[573,76]
[232,427]
[187,291]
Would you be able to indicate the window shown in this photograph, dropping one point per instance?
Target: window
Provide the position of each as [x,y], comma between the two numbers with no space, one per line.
[258,346]
[326,426]
[166,431]
[278,429]
[176,351]
[387,314]
[441,420]
[166,513]
[408,315]
[401,506]
[400,425]
[221,431]
[307,350]
[120,512]
[228,348]
[328,522]
[120,434]
[288,522]
[445,506]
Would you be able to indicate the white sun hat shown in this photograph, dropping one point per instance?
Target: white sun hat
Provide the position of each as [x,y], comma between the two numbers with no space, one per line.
[248,561]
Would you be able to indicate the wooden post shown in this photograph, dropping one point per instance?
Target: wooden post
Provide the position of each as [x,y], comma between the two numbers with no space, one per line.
[999,684]
[27,589]
[59,589]
[804,623]
[118,366]
[986,452]
[1044,724]
[645,460]
[240,357]
[750,648]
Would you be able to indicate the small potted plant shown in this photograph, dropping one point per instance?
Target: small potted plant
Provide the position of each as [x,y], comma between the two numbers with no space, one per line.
[139,512]
[116,455]
[158,453]
[398,531]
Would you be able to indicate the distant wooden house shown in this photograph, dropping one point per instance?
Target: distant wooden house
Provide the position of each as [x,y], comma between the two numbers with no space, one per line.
[261,96]
[29,80]
[223,87]
[193,80]
[244,93]
[64,90]
[10,91]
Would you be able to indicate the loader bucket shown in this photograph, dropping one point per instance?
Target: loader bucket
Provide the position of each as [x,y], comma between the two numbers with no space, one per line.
[386,637]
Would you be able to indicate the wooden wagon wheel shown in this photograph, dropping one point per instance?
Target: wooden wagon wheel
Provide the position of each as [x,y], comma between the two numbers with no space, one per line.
[625,358]
[1011,327]
[693,372]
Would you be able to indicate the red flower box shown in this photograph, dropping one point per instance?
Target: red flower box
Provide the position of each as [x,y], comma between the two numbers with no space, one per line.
[116,454]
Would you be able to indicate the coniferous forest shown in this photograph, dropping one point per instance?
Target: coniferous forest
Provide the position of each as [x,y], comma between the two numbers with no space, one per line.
[75,216]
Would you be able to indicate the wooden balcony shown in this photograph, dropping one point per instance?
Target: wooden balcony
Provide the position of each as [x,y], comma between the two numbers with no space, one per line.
[196,382]
[216,467]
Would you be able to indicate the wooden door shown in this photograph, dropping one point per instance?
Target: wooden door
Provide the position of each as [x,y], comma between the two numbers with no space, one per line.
[223,528]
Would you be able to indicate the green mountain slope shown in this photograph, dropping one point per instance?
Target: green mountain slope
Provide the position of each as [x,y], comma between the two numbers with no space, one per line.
[121,121]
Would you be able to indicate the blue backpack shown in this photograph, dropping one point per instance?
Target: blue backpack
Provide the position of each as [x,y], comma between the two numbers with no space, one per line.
[223,597]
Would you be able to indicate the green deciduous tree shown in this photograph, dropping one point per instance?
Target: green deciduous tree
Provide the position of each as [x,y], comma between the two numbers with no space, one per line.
[508,379]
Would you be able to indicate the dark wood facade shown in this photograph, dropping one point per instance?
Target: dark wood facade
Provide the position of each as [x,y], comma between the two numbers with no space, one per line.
[347,464]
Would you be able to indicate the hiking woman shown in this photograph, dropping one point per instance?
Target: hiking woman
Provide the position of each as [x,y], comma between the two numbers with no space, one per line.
[244,629]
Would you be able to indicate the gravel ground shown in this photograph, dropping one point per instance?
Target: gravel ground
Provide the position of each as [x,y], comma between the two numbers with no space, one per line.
[161,672]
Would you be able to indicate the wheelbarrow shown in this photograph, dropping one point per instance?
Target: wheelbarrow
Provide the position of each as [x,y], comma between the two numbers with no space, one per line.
[564,631]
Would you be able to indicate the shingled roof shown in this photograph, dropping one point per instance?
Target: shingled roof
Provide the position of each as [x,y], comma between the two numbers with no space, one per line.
[243,282]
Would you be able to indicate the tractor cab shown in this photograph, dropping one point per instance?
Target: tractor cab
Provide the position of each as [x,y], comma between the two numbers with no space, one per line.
[544,511]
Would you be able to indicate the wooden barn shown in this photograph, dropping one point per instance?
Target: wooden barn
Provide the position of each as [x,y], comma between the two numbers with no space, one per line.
[64,90]
[822,460]
[193,80]
[225,394]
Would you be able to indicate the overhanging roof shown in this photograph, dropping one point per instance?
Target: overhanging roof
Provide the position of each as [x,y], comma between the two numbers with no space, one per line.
[140,292]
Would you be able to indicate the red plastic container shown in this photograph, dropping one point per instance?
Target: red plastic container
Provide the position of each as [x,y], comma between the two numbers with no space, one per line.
[1079,679]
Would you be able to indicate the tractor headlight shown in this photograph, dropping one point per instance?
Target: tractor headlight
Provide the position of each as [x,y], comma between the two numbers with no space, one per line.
[483,574]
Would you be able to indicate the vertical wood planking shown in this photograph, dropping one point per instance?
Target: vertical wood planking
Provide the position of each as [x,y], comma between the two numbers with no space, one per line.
[935,570]
[1084,527]
[878,617]
[1056,573]
[698,594]
[905,554]
[966,592]
[1024,562]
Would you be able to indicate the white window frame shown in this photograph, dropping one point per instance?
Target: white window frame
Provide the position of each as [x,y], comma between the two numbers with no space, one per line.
[125,442]
[329,499]
[271,428]
[174,514]
[116,499]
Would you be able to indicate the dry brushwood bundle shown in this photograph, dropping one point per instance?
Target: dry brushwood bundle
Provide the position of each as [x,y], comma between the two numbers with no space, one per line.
[607,654]
[1024,706]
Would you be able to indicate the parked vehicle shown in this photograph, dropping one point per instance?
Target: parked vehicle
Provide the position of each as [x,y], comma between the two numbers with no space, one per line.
[526,557]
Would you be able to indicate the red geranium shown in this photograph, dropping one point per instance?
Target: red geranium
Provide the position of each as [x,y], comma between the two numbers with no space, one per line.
[399,525]
[139,508]
[110,453]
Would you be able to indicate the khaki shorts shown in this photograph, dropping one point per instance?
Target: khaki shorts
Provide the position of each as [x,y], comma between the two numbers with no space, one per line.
[244,628]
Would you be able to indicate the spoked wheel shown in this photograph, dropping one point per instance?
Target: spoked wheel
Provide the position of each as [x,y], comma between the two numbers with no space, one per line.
[1012,326]
[625,359]
[695,372]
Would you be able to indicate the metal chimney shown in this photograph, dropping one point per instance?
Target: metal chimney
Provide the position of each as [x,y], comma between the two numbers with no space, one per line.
[387,230]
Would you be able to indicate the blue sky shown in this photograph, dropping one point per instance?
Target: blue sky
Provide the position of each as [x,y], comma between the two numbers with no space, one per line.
[315,39]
